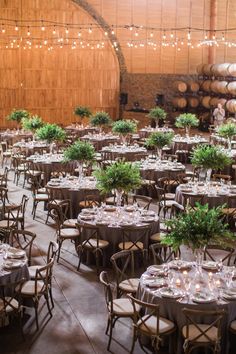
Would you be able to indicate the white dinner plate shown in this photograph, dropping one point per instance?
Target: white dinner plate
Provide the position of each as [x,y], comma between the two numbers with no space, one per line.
[203,298]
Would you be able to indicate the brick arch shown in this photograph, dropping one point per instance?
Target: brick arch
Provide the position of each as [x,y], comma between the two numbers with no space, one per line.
[104,25]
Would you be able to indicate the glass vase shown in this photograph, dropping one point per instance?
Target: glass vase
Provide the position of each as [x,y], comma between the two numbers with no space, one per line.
[119,194]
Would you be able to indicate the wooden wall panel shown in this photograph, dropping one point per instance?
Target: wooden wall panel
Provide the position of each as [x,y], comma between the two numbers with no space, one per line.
[52,83]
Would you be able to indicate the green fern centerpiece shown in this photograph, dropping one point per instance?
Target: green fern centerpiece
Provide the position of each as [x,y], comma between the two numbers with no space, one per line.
[81,151]
[100,119]
[186,121]
[210,157]
[33,123]
[51,133]
[158,114]
[17,115]
[82,112]
[120,176]
[227,131]
[124,128]
[158,140]
[198,228]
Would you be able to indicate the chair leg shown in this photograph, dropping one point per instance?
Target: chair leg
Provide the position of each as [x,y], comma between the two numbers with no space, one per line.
[48,305]
[110,334]
[36,314]
[51,297]
[59,250]
[80,252]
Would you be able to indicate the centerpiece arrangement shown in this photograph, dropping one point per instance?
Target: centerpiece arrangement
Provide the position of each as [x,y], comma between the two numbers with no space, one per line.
[51,133]
[82,112]
[33,123]
[158,115]
[81,151]
[227,131]
[100,119]
[17,115]
[158,140]
[210,157]
[124,128]
[198,228]
[121,177]
[186,121]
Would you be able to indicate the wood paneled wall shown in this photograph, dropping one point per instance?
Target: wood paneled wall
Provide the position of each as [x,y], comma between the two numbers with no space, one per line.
[51,83]
[159,14]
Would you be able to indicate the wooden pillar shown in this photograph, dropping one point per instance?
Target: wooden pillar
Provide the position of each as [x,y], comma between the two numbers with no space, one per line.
[213,24]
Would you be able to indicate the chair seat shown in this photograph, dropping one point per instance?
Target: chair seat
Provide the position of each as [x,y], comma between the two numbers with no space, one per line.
[170,196]
[129,285]
[70,223]
[130,246]
[148,182]
[167,203]
[122,307]
[41,197]
[93,243]
[233,326]
[32,271]
[194,332]
[28,287]
[9,308]
[5,224]
[13,215]
[69,233]
[151,325]
[229,211]
[33,173]
[158,237]
[85,204]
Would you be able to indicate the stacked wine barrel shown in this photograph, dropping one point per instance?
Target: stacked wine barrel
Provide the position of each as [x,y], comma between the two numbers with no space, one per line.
[191,100]
[218,85]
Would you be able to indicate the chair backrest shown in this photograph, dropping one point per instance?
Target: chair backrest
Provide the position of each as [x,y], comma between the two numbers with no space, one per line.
[9,292]
[44,275]
[89,232]
[162,253]
[214,319]
[91,200]
[168,184]
[218,253]
[58,211]
[3,197]
[170,157]
[218,177]
[24,202]
[52,250]
[134,235]
[190,200]
[140,321]
[107,290]
[142,201]
[23,239]
[12,216]
[123,265]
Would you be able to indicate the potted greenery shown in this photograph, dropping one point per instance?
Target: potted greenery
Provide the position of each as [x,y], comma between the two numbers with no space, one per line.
[210,157]
[124,128]
[198,228]
[82,112]
[187,120]
[17,115]
[119,177]
[158,140]
[33,123]
[81,151]
[227,131]
[158,115]
[100,119]
[51,133]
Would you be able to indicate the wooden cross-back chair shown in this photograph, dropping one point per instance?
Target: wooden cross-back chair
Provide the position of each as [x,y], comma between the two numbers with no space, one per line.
[224,254]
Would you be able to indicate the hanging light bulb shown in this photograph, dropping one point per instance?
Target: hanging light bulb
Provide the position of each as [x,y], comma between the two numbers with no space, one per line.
[214,35]
[16,27]
[223,37]
[189,35]
[3,28]
[42,27]
[106,33]
[67,30]
[54,30]
[90,30]
[151,34]
[206,36]
[171,35]
[113,32]
[79,34]
[28,32]
[164,35]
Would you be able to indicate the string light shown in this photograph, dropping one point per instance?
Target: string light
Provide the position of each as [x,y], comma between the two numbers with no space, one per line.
[54,30]
[42,27]
[90,30]
[16,27]
[3,28]
[28,32]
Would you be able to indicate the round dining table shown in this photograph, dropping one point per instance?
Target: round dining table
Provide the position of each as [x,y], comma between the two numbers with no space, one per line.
[13,265]
[111,219]
[100,140]
[187,143]
[213,193]
[181,284]
[80,129]
[13,136]
[49,163]
[127,152]
[146,131]
[154,168]
[31,147]
[74,189]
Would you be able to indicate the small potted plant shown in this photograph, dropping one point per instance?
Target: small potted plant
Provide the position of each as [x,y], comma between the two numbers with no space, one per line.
[198,228]
[227,131]
[33,123]
[82,112]
[119,177]
[186,121]
[17,115]
[158,115]
[124,128]
[81,151]
[210,157]
[100,119]
[51,133]
[158,140]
